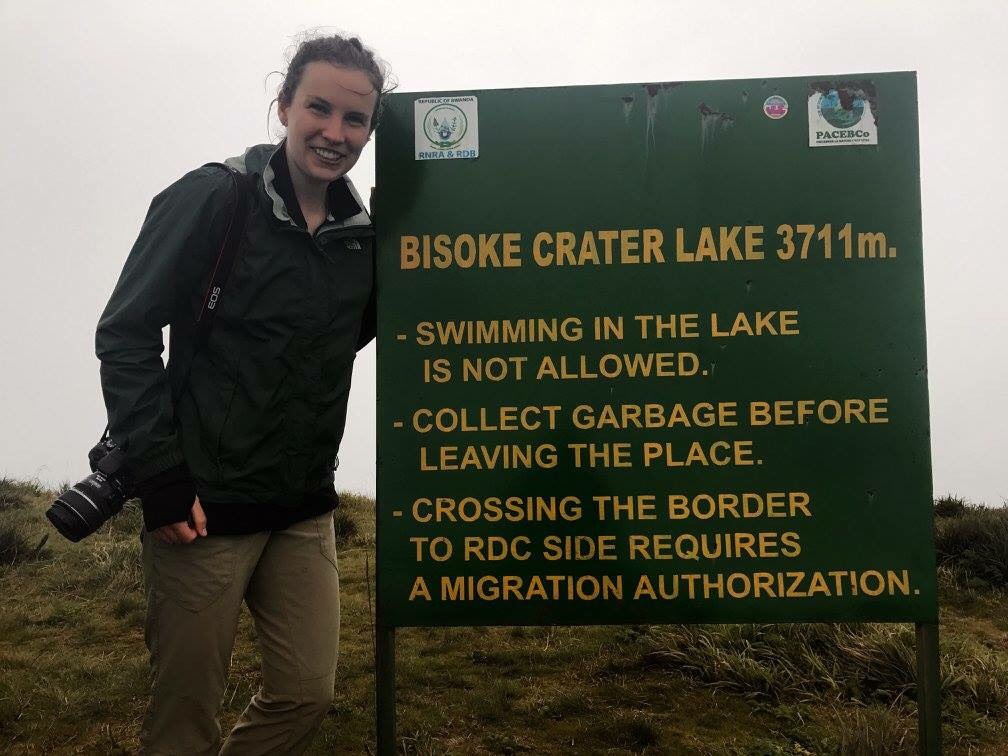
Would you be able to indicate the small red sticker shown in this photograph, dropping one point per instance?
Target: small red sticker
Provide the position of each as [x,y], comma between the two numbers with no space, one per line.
[775,107]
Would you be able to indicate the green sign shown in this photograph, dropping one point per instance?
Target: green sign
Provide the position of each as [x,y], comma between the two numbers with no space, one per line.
[653,353]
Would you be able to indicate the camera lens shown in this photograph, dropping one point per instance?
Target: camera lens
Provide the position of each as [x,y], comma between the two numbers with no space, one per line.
[81,509]
[67,520]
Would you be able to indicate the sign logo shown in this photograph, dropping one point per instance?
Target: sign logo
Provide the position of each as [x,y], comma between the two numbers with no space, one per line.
[446,128]
[445,125]
[775,107]
[842,113]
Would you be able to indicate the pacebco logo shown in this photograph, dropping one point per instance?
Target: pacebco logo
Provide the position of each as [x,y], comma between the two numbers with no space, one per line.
[445,125]
[842,112]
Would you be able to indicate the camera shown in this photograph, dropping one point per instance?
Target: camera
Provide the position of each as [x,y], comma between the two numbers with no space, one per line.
[83,508]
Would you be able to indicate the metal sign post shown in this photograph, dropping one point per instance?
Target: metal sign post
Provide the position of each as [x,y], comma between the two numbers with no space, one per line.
[385,712]
[928,690]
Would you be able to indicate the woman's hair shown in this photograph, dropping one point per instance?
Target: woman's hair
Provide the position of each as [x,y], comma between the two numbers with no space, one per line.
[345,52]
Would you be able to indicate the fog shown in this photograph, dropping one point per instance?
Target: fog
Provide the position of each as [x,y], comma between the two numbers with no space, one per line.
[109,102]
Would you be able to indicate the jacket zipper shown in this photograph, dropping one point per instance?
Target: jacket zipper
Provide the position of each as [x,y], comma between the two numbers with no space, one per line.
[327,230]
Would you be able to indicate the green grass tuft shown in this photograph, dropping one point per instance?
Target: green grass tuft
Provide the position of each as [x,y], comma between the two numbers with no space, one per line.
[875,730]
[950,506]
[346,527]
[865,664]
[975,543]
[18,547]
[15,494]
[628,732]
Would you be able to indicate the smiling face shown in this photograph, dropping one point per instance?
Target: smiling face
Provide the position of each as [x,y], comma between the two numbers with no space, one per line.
[328,122]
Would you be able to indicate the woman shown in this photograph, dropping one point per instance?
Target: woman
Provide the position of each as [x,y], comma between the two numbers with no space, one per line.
[233,447]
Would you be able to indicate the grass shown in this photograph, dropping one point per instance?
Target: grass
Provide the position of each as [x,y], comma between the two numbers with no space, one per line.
[974,540]
[867,668]
[73,670]
[18,546]
[15,494]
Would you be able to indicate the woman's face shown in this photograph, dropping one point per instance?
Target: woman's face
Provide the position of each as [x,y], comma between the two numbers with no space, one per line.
[328,122]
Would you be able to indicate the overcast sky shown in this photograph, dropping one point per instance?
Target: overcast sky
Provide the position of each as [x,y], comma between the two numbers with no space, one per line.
[106,103]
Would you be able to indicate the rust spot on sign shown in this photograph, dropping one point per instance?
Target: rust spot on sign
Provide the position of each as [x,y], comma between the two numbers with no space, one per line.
[713,123]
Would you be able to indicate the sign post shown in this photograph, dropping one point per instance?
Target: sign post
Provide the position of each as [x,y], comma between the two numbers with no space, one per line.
[385,689]
[654,353]
[928,689]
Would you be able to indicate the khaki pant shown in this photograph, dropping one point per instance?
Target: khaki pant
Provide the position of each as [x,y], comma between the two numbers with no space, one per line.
[290,582]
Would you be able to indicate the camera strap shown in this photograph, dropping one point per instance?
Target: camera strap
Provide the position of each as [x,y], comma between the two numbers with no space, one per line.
[229,250]
[226,257]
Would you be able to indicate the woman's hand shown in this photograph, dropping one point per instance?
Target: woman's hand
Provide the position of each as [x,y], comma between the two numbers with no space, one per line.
[184,532]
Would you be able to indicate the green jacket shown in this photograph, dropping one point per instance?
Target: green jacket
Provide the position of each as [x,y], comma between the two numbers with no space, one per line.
[258,423]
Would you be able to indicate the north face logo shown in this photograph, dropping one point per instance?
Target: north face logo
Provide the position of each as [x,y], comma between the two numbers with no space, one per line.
[353,244]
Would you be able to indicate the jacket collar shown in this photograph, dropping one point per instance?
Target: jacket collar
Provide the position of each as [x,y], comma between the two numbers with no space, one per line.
[344,205]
